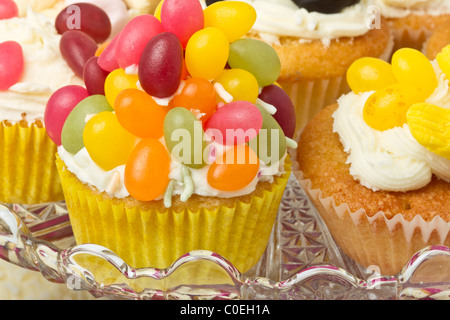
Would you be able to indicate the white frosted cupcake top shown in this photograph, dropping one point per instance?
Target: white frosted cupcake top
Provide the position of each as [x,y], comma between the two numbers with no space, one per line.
[390,160]
[45,70]
[277,18]
[403,8]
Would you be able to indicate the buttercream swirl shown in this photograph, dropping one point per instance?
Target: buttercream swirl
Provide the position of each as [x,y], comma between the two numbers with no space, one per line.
[403,8]
[45,70]
[390,160]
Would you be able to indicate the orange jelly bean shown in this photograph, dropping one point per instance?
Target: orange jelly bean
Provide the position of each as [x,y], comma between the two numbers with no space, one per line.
[139,113]
[147,170]
[234,170]
[199,96]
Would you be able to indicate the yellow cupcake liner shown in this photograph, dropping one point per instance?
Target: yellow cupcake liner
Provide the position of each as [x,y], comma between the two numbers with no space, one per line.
[28,173]
[145,235]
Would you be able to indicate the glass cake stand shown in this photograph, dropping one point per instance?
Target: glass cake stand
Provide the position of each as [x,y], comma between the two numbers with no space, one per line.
[301,262]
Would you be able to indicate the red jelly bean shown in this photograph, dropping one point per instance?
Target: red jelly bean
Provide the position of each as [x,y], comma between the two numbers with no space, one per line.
[94,77]
[161,65]
[60,104]
[107,58]
[183,18]
[285,114]
[11,64]
[134,37]
[8,9]
[77,48]
[85,17]
[235,123]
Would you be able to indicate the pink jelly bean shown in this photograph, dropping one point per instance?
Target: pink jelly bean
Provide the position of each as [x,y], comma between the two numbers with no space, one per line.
[8,9]
[134,37]
[59,107]
[235,123]
[183,18]
[77,48]
[94,77]
[107,59]
[11,64]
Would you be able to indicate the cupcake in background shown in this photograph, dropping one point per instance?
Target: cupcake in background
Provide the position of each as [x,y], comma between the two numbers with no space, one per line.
[438,40]
[316,42]
[413,21]
[377,164]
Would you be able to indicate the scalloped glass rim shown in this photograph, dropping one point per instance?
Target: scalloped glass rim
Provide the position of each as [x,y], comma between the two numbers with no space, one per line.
[206,275]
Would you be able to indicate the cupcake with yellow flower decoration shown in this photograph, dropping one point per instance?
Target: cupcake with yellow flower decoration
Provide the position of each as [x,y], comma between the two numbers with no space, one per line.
[377,164]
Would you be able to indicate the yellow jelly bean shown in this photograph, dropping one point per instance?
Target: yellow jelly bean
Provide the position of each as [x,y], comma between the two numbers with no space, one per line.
[117,81]
[430,126]
[413,69]
[386,108]
[157,12]
[107,142]
[370,74]
[234,18]
[443,59]
[241,84]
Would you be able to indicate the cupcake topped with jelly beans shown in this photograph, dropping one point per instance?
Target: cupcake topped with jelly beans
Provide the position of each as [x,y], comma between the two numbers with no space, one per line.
[189,114]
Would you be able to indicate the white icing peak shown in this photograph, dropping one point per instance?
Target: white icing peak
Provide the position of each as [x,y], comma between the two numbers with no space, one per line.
[283,18]
[390,160]
[403,8]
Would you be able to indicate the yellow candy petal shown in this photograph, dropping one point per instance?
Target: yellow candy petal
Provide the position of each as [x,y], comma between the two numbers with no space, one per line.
[430,126]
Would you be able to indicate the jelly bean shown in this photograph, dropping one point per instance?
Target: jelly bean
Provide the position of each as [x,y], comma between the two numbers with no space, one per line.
[107,58]
[386,108]
[256,57]
[134,37]
[235,123]
[234,18]
[107,142]
[182,18]
[241,84]
[199,96]
[207,53]
[77,48]
[157,12]
[147,170]
[8,9]
[413,69]
[72,132]
[85,17]
[140,114]
[234,170]
[181,124]
[270,144]
[443,59]
[161,66]
[11,64]
[370,74]
[101,48]
[325,6]
[117,81]
[58,108]
[430,126]
[94,77]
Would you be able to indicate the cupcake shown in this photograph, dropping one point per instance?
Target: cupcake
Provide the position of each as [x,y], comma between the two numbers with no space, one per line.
[376,165]
[175,156]
[33,70]
[316,42]
[413,21]
[438,40]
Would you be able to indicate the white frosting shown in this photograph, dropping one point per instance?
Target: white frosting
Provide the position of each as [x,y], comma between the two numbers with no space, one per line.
[45,70]
[390,160]
[283,18]
[112,182]
[403,8]
[43,6]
